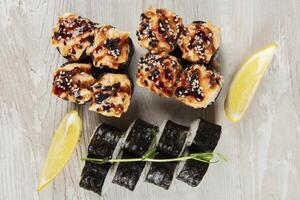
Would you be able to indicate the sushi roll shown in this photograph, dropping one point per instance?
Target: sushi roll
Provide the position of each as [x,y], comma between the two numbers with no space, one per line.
[128,174]
[73,81]
[112,48]
[158,73]
[111,95]
[170,145]
[102,145]
[137,143]
[207,137]
[206,140]
[197,86]
[159,30]
[199,41]
[193,172]
[72,36]
[172,139]
[140,137]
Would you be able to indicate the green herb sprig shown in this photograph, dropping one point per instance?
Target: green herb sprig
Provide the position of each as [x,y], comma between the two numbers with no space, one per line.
[209,157]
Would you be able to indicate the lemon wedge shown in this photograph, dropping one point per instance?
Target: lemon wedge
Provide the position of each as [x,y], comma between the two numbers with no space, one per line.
[63,144]
[246,81]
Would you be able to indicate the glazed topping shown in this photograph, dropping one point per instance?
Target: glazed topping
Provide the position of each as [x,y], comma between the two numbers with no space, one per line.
[199,42]
[111,47]
[72,82]
[111,95]
[159,29]
[198,86]
[158,72]
[72,35]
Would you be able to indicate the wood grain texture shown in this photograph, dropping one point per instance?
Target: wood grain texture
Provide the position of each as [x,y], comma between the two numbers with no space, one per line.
[263,148]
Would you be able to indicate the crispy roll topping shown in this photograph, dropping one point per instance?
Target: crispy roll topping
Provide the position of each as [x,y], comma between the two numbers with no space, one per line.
[199,42]
[158,73]
[111,95]
[72,36]
[112,47]
[73,82]
[159,29]
[198,87]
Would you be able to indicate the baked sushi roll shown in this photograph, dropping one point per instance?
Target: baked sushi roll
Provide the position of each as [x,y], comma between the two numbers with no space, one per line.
[158,73]
[72,36]
[111,95]
[112,48]
[197,86]
[199,41]
[73,81]
[159,30]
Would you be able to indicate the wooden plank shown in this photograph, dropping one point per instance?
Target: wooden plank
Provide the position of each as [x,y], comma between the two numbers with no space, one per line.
[263,148]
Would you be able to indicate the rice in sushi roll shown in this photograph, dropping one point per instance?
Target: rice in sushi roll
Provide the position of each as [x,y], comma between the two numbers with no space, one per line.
[197,86]
[199,41]
[158,73]
[72,36]
[73,81]
[159,29]
[112,48]
[111,95]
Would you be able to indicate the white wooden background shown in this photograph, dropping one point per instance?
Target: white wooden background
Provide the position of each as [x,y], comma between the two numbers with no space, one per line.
[263,148]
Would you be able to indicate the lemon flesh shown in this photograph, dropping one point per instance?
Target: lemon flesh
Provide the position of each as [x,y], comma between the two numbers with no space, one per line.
[63,144]
[245,83]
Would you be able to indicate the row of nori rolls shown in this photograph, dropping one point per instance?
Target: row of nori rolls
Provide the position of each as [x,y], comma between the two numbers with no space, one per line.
[138,139]
[97,70]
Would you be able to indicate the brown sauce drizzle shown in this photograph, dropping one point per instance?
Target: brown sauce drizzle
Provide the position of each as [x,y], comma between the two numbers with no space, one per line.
[69,28]
[63,82]
[104,92]
[153,63]
[201,42]
[165,31]
[191,86]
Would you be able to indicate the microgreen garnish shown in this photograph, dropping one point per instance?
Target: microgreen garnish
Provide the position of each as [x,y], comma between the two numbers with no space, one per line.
[209,157]
[149,154]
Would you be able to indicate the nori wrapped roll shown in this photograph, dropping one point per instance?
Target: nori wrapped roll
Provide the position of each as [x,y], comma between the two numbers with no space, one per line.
[102,145]
[140,138]
[206,139]
[170,145]
[128,173]
[136,145]
[93,176]
[172,139]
